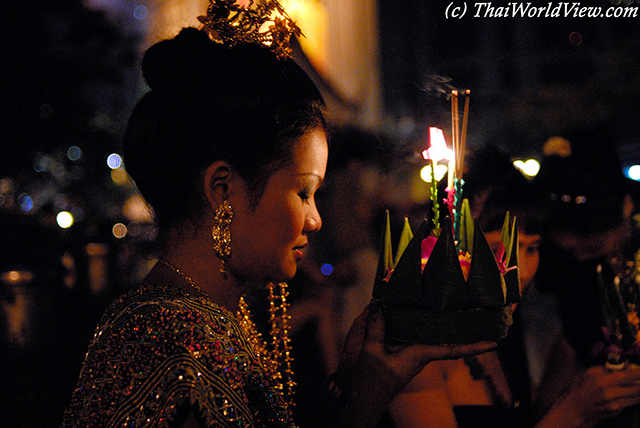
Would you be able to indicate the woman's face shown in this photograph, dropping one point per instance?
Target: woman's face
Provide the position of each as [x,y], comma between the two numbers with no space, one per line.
[528,254]
[268,241]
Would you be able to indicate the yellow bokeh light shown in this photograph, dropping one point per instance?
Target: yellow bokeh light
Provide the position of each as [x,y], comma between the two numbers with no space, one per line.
[425,173]
[136,209]
[119,230]
[311,16]
[529,167]
[119,176]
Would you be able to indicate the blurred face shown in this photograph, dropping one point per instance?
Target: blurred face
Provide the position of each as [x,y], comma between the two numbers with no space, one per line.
[528,254]
[269,241]
[590,246]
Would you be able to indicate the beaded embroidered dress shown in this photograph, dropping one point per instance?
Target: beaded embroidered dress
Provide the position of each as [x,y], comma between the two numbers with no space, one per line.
[158,353]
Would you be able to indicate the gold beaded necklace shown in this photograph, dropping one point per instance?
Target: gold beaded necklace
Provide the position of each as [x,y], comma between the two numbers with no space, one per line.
[278,356]
[184,276]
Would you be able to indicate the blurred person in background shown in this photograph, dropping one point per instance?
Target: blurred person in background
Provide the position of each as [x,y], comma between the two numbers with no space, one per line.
[500,388]
[593,208]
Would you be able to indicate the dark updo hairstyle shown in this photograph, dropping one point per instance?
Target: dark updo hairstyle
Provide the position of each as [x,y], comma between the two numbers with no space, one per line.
[587,188]
[209,102]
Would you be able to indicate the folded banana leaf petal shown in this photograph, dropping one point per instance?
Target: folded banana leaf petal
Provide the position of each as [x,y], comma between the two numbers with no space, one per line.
[405,237]
[444,287]
[404,286]
[385,261]
[486,284]
[437,306]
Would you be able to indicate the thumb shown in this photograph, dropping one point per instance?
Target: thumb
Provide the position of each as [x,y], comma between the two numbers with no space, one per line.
[375,327]
[355,340]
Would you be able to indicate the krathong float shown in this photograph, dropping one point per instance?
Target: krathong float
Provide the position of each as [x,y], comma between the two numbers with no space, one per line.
[445,285]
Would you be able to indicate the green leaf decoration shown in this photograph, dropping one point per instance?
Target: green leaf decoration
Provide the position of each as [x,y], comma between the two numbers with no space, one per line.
[433,194]
[466,228]
[386,249]
[385,261]
[506,236]
[512,277]
[405,237]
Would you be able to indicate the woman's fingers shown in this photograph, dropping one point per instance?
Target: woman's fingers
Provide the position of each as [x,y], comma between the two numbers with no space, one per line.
[450,352]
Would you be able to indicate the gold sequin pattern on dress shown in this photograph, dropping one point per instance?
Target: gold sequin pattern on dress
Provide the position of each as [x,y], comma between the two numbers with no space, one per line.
[157,350]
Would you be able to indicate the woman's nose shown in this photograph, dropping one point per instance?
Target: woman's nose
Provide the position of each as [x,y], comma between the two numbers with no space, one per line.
[313,221]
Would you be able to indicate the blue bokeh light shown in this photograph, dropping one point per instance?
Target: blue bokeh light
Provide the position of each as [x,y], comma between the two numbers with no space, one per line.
[140,13]
[26,203]
[326,269]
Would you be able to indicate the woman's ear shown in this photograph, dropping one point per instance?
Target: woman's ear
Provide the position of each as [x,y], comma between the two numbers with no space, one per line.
[217,179]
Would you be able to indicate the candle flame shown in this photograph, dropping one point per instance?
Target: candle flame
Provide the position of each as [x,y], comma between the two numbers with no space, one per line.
[438,149]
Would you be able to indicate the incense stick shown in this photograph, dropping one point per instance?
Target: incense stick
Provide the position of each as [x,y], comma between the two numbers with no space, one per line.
[463,137]
[455,133]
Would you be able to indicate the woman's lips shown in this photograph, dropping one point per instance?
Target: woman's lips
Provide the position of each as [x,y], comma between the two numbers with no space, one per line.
[298,252]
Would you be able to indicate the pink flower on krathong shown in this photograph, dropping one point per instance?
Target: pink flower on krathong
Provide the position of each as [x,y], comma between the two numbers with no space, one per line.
[450,200]
[501,258]
[427,247]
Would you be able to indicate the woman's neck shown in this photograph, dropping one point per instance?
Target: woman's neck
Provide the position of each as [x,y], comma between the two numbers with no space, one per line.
[194,268]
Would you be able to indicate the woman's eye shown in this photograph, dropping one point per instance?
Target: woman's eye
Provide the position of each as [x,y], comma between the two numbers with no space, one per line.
[533,249]
[304,195]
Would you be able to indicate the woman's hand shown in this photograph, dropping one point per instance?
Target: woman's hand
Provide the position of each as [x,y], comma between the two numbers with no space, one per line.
[598,394]
[374,371]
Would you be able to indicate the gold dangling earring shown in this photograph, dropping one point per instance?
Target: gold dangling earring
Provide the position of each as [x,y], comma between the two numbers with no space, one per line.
[221,233]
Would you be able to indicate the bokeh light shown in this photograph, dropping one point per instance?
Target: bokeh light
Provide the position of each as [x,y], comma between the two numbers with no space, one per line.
[575,38]
[529,167]
[634,172]
[25,202]
[140,13]
[136,209]
[114,161]
[119,176]
[425,172]
[74,153]
[326,269]
[119,230]
[64,219]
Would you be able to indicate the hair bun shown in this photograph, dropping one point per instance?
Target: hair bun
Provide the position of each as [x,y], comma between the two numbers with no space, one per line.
[179,63]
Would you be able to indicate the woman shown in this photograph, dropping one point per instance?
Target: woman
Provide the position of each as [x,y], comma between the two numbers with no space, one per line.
[494,389]
[228,147]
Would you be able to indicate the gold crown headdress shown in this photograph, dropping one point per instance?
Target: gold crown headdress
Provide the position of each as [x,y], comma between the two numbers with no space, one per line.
[262,22]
